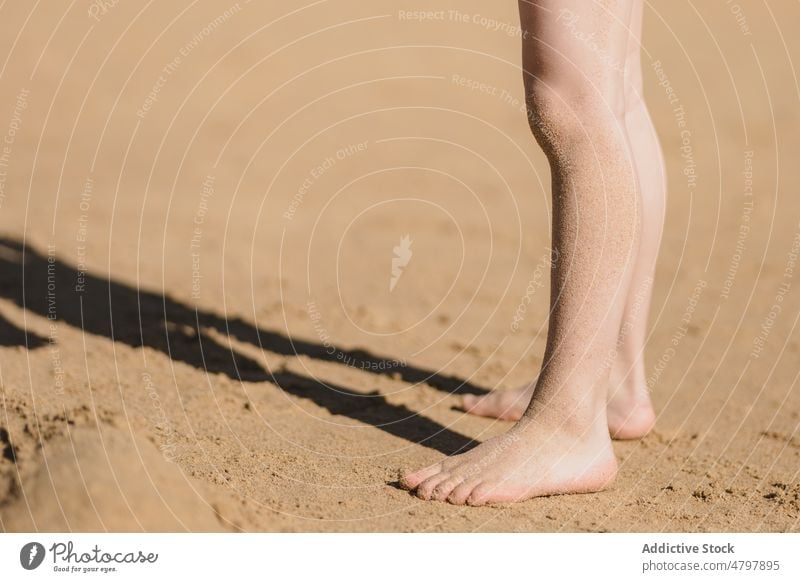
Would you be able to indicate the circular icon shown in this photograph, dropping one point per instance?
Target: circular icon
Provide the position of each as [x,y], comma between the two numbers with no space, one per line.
[31,555]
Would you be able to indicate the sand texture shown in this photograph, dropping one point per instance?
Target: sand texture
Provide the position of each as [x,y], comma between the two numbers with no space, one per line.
[212,318]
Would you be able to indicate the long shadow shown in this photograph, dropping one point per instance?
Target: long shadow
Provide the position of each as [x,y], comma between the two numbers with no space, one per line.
[11,335]
[51,288]
[373,409]
[361,359]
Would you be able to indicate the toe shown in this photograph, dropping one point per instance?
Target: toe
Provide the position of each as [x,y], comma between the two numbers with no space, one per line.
[443,489]
[481,494]
[425,489]
[459,495]
[468,402]
[411,481]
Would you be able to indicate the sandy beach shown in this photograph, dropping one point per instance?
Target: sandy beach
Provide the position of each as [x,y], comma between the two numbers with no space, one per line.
[203,326]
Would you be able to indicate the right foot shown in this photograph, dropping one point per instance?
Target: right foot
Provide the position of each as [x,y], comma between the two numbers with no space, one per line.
[539,456]
[630,411]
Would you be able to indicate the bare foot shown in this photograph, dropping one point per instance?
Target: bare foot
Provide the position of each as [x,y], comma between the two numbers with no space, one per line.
[502,404]
[630,411]
[535,458]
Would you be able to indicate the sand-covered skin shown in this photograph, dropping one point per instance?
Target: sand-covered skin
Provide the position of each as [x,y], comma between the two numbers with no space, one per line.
[263,185]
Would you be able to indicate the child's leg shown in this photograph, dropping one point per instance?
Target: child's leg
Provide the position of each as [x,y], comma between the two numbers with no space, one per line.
[629,409]
[577,109]
[630,412]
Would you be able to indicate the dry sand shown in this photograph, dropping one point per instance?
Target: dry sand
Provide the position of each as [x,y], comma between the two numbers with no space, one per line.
[220,257]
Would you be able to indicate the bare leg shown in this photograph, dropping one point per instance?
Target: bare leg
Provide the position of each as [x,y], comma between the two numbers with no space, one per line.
[576,101]
[630,412]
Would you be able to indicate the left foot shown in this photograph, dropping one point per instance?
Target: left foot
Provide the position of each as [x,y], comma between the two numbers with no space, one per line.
[500,404]
[630,410]
[537,457]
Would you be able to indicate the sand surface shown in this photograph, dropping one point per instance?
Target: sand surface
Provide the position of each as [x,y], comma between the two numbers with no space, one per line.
[198,208]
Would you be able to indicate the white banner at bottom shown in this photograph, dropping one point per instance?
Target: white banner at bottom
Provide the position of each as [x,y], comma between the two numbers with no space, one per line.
[400,557]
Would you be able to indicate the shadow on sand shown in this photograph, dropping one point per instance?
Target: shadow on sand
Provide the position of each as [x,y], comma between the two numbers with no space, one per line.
[50,288]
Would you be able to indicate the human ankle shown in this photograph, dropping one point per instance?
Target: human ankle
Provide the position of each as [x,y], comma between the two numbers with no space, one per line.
[573,414]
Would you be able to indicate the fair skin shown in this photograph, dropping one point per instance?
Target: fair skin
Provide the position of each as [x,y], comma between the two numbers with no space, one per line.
[584,88]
